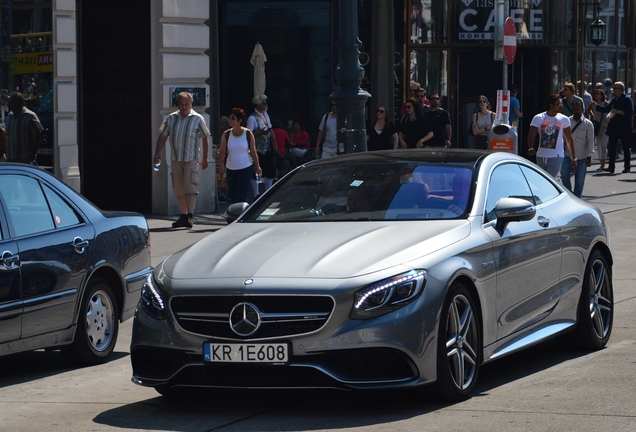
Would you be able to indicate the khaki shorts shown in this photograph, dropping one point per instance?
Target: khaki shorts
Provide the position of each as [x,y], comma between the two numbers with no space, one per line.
[185,178]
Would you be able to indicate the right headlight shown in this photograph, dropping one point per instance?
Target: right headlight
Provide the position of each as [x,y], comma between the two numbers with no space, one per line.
[388,295]
[151,300]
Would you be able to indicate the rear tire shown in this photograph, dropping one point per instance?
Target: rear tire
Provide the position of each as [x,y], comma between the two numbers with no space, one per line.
[97,326]
[459,347]
[596,307]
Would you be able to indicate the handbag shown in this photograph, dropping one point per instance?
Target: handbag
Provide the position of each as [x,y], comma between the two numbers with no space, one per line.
[597,126]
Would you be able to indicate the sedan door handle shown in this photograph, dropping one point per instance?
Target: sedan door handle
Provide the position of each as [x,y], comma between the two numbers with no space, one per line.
[9,259]
[79,244]
[543,221]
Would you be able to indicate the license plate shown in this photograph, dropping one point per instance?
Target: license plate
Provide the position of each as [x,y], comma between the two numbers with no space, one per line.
[245,353]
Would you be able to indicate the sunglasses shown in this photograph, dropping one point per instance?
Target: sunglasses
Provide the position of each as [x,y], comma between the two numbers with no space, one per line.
[435,98]
[421,96]
[232,117]
[381,110]
[409,106]
[617,88]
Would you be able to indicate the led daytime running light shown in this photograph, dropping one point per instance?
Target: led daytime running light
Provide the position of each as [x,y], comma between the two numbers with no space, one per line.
[400,280]
[158,301]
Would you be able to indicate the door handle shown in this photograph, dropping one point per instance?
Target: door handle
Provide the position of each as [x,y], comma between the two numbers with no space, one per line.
[9,259]
[543,221]
[79,244]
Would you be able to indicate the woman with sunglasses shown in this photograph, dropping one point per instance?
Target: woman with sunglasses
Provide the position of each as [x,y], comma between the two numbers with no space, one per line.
[381,133]
[415,130]
[238,147]
[600,126]
[482,123]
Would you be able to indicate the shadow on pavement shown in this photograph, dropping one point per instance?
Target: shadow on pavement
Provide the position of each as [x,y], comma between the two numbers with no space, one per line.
[316,409]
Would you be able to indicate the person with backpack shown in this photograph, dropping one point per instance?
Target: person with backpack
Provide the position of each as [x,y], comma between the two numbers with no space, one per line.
[327,140]
[415,130]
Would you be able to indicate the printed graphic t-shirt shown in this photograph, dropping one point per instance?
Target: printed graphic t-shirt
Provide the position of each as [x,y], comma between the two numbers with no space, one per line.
[550,134]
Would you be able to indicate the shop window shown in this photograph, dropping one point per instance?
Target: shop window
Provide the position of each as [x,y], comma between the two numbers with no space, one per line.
[428,22]
[429,69]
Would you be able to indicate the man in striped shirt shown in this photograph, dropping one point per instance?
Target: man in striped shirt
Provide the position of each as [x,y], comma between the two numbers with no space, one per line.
[188,133]
[23,131]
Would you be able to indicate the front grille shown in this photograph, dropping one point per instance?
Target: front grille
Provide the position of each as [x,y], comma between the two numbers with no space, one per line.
[280,315]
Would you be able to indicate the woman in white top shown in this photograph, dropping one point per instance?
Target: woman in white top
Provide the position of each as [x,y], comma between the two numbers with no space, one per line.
[238,145]
[482,122]
[600,118]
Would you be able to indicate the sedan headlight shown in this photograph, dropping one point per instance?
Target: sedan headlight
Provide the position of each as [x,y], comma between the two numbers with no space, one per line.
[388,295]
[151,300]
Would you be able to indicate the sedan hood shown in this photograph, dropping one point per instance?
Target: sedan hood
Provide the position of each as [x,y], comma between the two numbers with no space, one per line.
[311,250]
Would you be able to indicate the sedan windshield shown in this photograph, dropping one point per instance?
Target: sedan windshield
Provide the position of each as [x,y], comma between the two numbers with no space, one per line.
[367,191]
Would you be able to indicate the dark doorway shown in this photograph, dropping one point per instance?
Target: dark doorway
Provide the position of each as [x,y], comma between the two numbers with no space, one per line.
[114,103]
[476,73]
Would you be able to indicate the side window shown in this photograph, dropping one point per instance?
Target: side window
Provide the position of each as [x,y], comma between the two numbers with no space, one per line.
[63,214]
[26,204]
[542,188]
[506,181]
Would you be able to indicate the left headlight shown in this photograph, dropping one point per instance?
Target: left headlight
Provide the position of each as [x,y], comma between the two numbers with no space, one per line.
[151,299]
[388,295]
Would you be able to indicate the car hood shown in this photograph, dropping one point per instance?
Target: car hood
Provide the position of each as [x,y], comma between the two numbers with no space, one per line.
[311,250]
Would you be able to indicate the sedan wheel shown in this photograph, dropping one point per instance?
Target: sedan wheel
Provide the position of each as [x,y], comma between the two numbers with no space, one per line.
[97,326]
[596,306]
[459,347]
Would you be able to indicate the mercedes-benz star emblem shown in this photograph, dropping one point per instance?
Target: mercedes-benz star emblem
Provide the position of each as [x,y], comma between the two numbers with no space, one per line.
[245,319]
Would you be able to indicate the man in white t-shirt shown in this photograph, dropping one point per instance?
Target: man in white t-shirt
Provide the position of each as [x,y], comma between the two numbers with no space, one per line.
[552,127]
[328,128]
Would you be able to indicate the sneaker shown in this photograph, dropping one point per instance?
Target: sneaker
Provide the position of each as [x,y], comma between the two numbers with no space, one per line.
[182,222]
[190,223]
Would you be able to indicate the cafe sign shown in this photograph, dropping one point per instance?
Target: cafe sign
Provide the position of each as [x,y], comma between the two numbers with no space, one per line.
[477,19]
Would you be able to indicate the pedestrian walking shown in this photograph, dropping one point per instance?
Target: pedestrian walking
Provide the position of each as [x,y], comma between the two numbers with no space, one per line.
[552,128]
[439,120]
[238,157]
[327,139]
[600,121]
[188,135]
[568,93]
[261,126]
[23,131]
[381,133]
[619,112]
[415,130]
[583,138]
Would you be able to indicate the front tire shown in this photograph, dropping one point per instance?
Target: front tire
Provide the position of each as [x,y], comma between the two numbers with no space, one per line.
[596,306]
[97,326]
[459,347]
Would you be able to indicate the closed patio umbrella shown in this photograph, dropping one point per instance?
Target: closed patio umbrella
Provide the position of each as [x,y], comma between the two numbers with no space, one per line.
[258,60]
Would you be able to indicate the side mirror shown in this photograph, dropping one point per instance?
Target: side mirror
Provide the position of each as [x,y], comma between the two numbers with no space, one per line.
[513,210]
[235,210]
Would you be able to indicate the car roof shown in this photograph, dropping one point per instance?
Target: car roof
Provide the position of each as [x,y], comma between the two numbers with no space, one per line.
[434,155]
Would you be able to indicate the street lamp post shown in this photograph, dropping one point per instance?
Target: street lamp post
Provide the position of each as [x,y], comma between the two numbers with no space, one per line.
[350,98]
[598,34]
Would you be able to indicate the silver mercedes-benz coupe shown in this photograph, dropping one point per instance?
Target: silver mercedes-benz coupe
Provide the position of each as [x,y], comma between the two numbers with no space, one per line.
[380,269]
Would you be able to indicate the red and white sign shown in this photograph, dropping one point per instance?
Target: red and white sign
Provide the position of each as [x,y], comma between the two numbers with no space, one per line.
[510,40]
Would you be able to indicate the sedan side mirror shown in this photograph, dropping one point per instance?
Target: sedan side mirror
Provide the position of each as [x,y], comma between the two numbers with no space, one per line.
[235,210]
[513,210]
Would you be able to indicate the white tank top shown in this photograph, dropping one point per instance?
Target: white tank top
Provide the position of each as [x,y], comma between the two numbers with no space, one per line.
[238,151]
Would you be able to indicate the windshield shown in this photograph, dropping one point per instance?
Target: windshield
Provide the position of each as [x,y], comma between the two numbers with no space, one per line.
[367,191]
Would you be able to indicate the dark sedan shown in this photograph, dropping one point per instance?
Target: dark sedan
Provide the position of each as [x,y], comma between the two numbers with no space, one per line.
[69,272]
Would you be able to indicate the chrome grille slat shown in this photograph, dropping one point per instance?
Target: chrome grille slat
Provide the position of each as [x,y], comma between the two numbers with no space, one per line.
[281,315]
